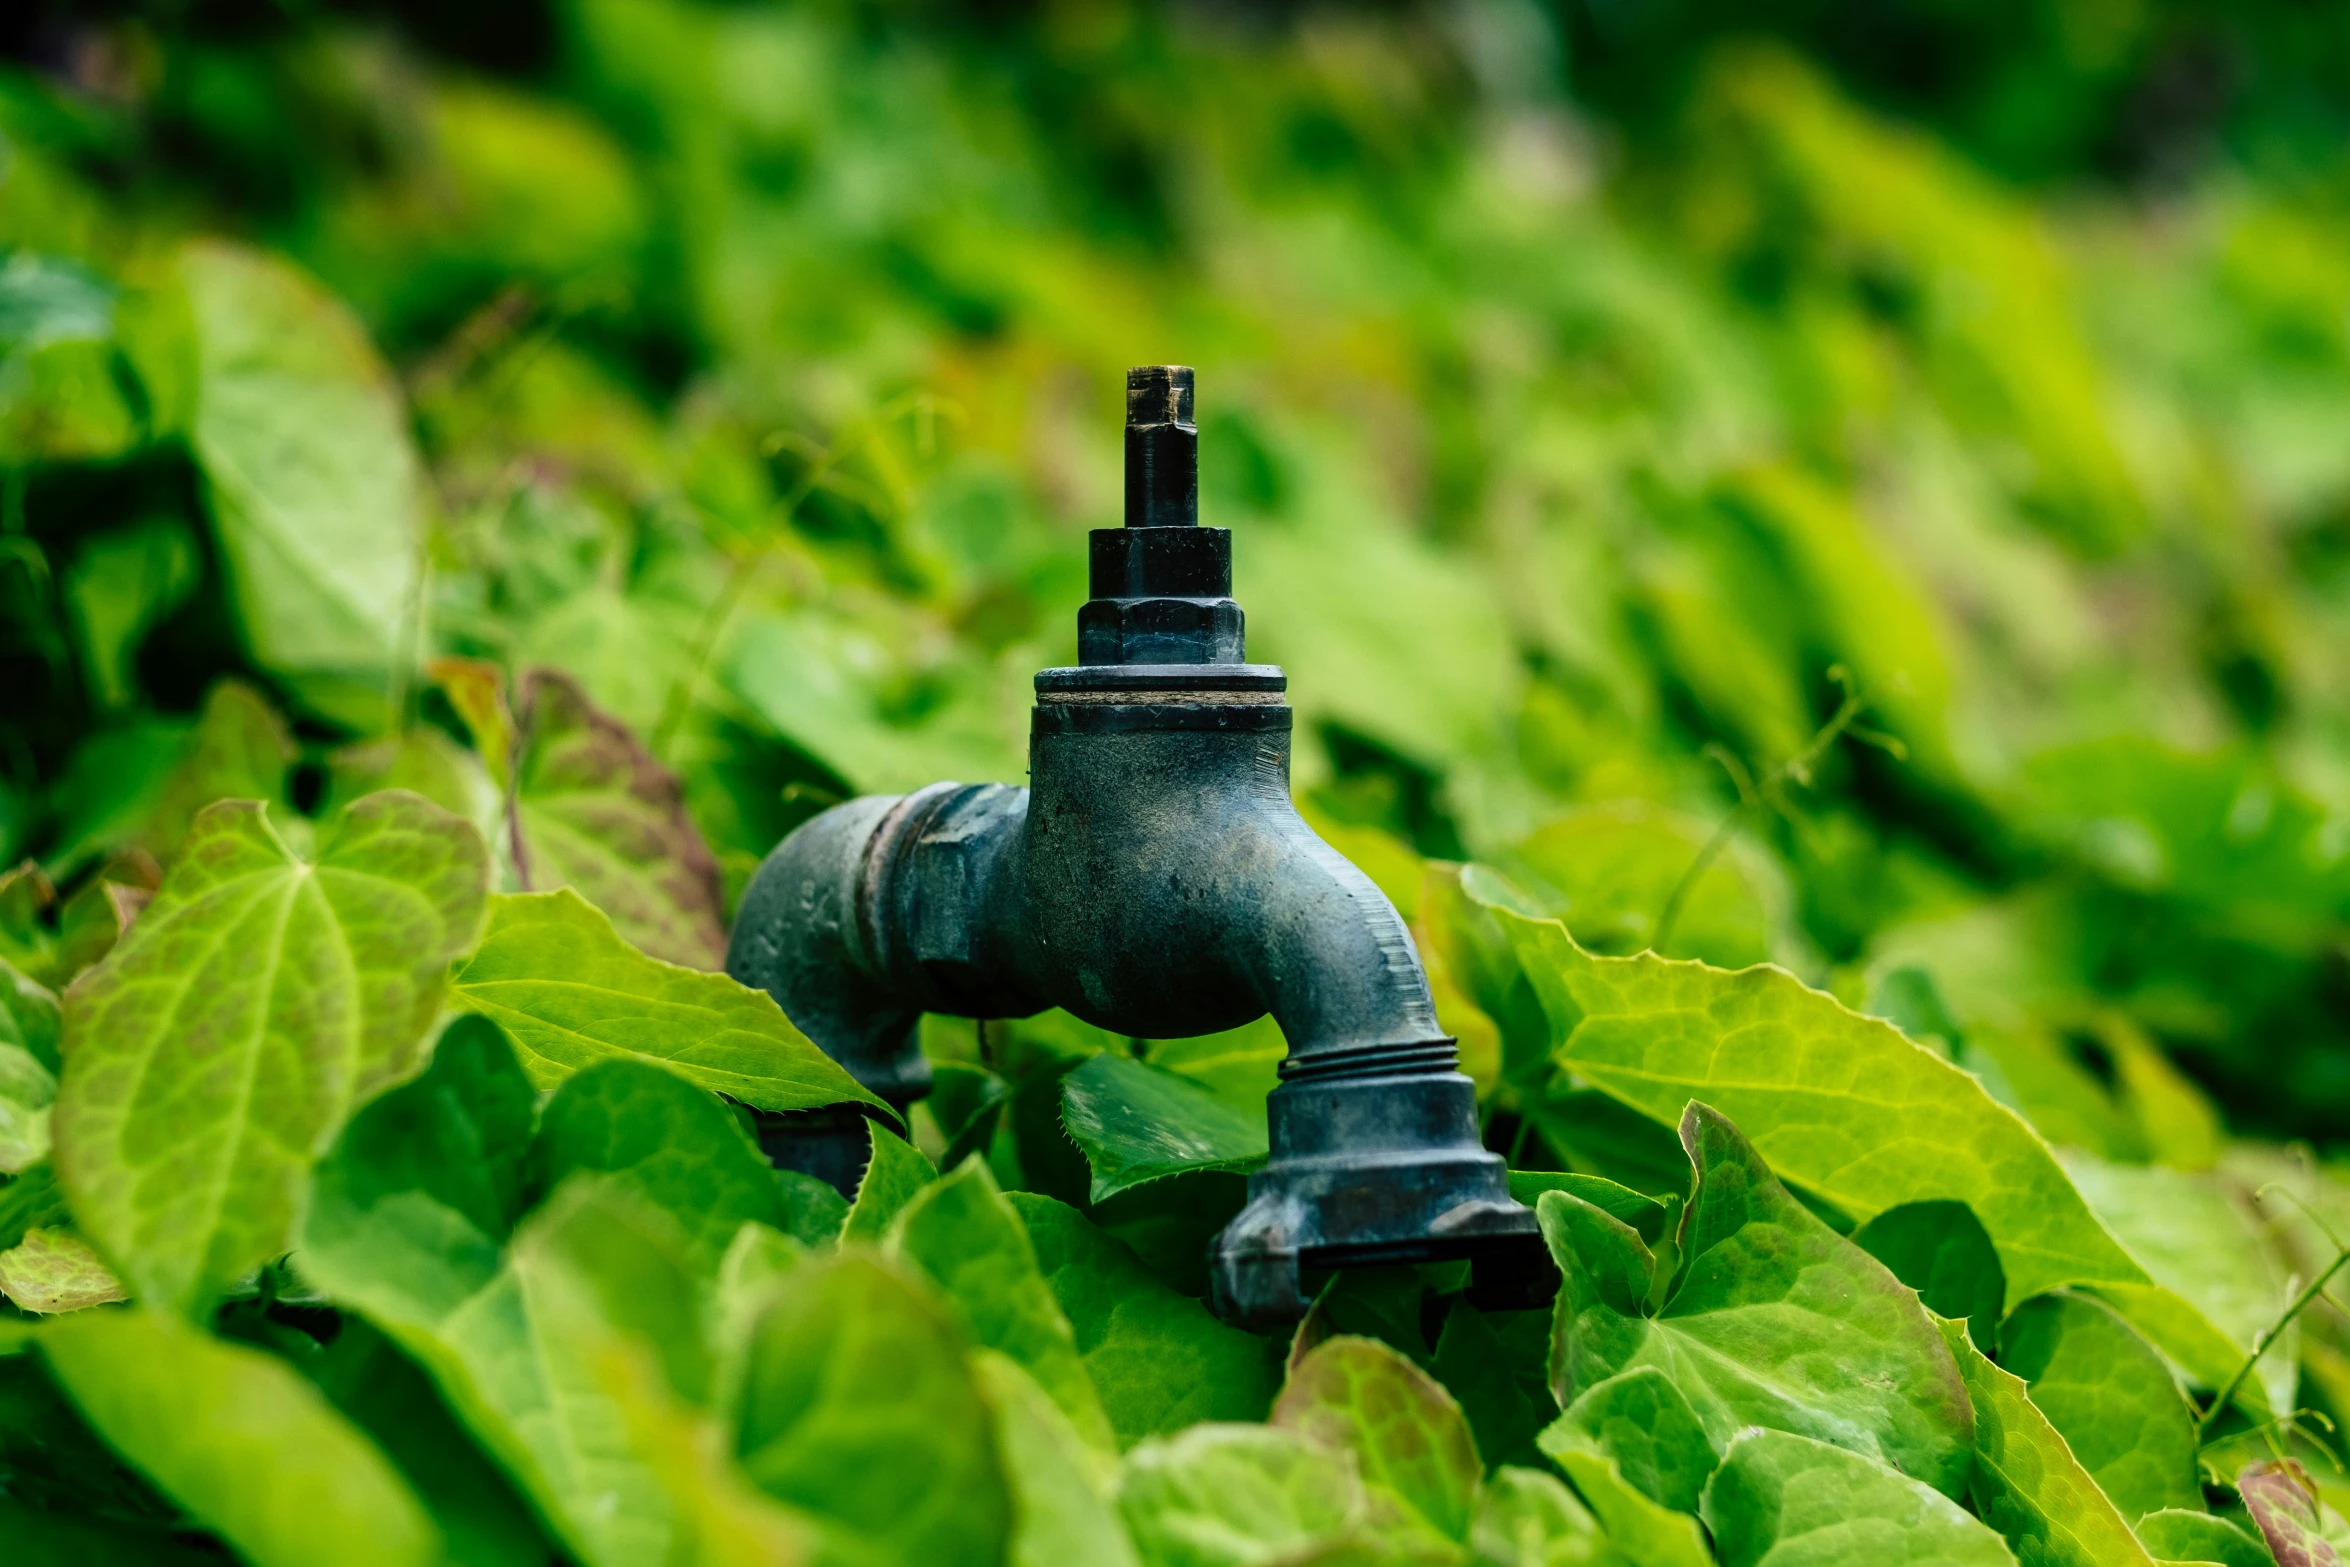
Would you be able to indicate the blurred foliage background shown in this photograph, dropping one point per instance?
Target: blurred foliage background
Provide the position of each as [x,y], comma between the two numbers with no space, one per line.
[1599,394]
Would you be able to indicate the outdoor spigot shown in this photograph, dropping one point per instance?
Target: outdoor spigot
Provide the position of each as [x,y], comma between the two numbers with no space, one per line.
[1154,879]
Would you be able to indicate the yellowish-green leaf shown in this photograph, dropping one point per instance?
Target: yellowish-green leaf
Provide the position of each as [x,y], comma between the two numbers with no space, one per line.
[53,1270]
[240,1440]
[554,973]
[216,1052]
[2027,1484]
[1837,1102]
[313,480]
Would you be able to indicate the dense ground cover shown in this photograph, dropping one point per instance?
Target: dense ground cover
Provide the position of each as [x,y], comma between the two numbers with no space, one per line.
[1840,659]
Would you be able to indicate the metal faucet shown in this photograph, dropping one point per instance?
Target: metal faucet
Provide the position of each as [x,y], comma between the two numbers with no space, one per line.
[1156,880]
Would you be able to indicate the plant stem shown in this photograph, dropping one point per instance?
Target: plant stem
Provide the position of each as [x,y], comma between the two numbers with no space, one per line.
[2260,1345]
[1797,767]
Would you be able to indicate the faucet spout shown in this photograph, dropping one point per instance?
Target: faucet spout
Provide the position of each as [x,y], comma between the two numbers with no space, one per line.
[1155,879]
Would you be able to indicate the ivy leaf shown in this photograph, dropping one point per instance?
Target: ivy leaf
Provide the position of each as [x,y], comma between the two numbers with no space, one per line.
[1839,1102]
[27,1088]
[1526,1518]
[1642,1421]
[241,1441]
[2220,1284]
[1218,1494]
[29,1202]
[2193,1535]
[1493,1364]
[664,1464]
[2112,1399]
[313,481]
[1941,1250]
[1788,1500]
[895,1174]
[1776,1320]
[1408,1437]
[54,1271]
[30,1018]
[1135,1123]
[487,1524]
[671,1145]
[1644,1532]
[858,1406]
[554,973]
[402,1233]
[2285,1508]
[217,1050]
[2027,1484]
[1063,1509]
[1159,1360]
[967,1238]
[595,812]
[1648,1216]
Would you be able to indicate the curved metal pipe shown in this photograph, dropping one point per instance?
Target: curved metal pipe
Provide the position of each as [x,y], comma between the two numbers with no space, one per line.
[1154,879]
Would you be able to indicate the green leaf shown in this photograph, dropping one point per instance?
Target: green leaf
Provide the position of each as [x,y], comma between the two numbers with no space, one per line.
[1136,1123]
[1636,1527]
[1493,1364]
[2111,1398]
[2193,1535]
[1646,1215]
[54,1271]
[894,1174]
[27,1089]
[595,812]
[1776,1320]
[813,1213]
[424,759]
[1941,1250]
[1526,1518]
[400,1232]
[1219,1495]
[30,1018]
[1064,1509]
[555,974]
[38,1537]
[458,1133]
[669,1144]
[1239,1066]
[217,1050]
[314,485]
[1839,1102]
[669,1491]
[29,1202]
[2219,1285]
[1159,1360]
[1792,1502]
[119,585]
[1408,1437]
[2027,1484]
[858,1406]
[485,1523]
[1642,1421]
[963,1234]
[241,1441]
[2285,1508]
[240,748]
[1607,871]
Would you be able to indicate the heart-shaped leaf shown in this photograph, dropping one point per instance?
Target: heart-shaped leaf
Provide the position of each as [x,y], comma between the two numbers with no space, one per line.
[1776,1321]
[216,1052]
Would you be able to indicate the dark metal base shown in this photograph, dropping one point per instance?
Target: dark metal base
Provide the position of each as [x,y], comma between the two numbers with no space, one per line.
[1376,1170]
[833,1144]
